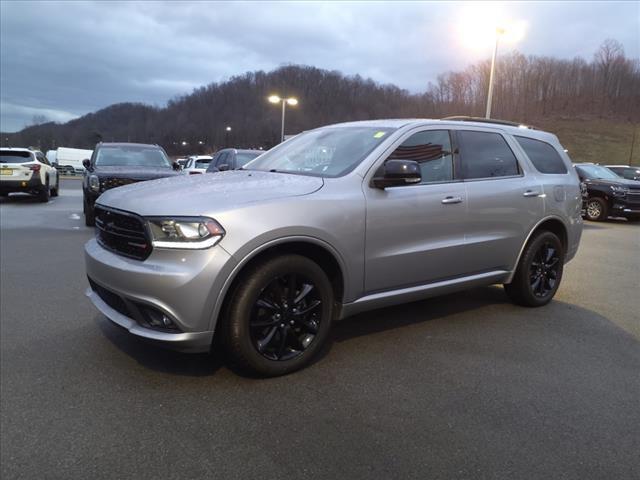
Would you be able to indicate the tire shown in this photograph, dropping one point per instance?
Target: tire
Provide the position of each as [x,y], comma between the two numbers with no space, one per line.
[45,192]
[539,271]
[55,191]
[266,335]
[89,215]
[596,210]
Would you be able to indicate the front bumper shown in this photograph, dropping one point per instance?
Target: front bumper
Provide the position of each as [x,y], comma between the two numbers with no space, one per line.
[184,285]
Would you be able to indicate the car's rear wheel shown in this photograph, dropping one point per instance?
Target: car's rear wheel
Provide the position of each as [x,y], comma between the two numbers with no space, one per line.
[596,210]
[55,191]
[45,192]
[279,316]
[539,271]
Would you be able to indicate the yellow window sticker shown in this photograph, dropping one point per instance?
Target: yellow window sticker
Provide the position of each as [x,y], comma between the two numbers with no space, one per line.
[379,134]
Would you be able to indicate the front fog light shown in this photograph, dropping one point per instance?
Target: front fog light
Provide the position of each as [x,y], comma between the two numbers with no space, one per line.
[157,319]
[185,232]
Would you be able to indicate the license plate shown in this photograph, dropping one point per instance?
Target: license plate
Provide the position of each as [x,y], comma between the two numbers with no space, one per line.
[6,171]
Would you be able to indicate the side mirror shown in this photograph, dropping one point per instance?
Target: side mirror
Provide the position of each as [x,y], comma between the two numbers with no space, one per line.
[223,167]
[86,163]
[395,173]
[176,166]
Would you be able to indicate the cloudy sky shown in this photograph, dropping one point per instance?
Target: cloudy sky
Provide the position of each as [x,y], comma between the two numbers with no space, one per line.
[65,59]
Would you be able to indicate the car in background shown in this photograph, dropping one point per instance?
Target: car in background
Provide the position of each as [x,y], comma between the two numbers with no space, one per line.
[336,221]
[116,164]
[608,194]
[197,164]
[28,171]
[625,171]
[69,160]
[232,159]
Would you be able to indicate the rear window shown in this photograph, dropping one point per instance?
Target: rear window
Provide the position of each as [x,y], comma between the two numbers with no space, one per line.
[7,156]
[203,163]
[543,156]
[486,155]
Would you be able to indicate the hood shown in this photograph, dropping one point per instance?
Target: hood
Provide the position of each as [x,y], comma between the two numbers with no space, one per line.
[134,173]
[622,182]
[205,194]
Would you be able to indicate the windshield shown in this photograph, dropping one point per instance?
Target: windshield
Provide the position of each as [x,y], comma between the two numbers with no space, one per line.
[242,158]
[327,152]
[594,172]
[7,156]
[132,156]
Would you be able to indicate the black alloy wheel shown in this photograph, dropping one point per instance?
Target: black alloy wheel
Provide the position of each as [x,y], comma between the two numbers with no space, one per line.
[543,271]
[286,317]
[539,271]
[278,316]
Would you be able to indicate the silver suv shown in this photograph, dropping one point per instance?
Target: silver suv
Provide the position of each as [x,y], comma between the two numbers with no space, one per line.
[332,222]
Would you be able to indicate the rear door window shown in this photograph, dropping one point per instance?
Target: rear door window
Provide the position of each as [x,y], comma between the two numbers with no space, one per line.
[485,155]
[432,150]
[543,156]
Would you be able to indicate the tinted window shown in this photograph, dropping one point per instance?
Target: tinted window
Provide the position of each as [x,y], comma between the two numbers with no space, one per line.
[7,156]
[242,158]
[432,150]
[486,155]
[132,156]
[543,156]
[223,159]
[202,163]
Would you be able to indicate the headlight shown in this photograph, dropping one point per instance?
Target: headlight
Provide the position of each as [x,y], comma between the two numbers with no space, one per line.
[185,232]
[619,191]
[94,183]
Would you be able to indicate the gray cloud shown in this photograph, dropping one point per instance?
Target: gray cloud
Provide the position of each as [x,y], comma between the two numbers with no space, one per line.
[65,59]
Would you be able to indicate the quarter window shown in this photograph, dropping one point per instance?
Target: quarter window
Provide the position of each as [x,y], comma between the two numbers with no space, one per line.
[543,156]
[432,150]
[486,155]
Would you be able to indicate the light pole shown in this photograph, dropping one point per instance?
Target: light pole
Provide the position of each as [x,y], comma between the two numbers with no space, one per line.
[291,101]
[499,31]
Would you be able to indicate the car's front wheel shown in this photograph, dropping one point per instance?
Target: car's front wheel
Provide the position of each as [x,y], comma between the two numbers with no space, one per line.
[539,271]
[279,316]
[89,215]
[596,210]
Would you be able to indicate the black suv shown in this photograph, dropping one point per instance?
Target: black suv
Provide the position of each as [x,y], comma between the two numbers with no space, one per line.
[608,194]
[116,164]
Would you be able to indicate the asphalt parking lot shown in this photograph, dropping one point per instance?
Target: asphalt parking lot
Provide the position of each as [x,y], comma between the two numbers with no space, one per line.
[465,386]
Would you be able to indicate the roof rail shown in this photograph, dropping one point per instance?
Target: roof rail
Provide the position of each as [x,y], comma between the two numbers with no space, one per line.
[463,118]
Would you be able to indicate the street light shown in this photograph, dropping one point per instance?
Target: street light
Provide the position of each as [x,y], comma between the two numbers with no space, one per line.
[227,131]
[291,101]
[499,31]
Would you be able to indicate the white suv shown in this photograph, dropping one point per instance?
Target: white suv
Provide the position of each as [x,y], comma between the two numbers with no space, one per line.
[24,170]
[197,164]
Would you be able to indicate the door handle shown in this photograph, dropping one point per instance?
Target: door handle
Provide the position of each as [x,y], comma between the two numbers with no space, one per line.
[450,200]
[531,193]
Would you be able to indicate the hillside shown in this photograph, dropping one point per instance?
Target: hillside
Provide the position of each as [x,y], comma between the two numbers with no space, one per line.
[592,106]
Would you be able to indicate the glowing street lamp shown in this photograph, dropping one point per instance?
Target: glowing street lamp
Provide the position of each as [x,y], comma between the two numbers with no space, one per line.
[291,101]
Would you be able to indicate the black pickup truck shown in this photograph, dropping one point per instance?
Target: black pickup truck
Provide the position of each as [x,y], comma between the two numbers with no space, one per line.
[608,195]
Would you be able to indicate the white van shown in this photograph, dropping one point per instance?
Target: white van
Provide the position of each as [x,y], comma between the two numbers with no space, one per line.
[69,160]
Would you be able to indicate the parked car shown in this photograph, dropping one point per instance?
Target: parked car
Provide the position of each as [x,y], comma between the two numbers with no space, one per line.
[232,159]
[336,221]
[24,170]
[625,171]
[608,194]
[116,164]
[197,164]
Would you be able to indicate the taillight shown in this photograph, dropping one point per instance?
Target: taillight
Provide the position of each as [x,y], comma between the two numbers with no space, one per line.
[35,168]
